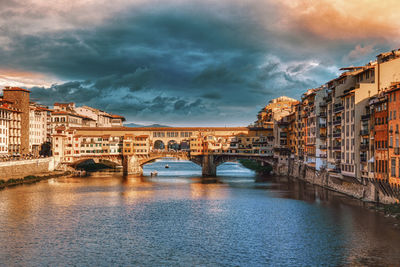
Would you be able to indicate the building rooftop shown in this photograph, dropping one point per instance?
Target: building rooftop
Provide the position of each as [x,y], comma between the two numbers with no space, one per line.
[8,88]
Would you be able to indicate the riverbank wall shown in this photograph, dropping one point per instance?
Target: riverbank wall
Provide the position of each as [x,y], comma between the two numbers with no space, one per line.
[364,190]
[22,168]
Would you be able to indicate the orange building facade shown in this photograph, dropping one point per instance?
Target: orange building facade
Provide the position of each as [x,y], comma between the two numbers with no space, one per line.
[380,136]
[393,96]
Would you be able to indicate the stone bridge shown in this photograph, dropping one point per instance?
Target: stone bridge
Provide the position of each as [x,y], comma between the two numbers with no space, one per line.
[133,164]
[210,162]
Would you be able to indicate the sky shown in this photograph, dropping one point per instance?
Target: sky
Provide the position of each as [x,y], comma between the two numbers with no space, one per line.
[187,63]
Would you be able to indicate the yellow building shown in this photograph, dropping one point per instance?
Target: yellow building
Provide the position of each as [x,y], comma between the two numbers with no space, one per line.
[136,144]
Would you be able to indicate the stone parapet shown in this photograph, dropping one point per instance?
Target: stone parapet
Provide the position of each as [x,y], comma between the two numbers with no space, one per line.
[22,168]
[365,191]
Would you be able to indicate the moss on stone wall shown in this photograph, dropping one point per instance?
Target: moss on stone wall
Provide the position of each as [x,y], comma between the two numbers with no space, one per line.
[29,179]
[256,166]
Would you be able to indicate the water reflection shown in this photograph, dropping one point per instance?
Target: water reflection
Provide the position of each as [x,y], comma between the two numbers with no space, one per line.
[182,219]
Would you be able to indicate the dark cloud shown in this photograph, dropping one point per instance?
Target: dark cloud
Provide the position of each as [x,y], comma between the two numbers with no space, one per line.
[212,95]
[167,64]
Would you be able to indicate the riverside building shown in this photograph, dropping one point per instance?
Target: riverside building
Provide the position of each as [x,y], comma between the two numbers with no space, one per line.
[393,99]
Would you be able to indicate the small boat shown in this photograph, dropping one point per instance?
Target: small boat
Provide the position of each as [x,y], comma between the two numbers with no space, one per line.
[154,173]
[166,166]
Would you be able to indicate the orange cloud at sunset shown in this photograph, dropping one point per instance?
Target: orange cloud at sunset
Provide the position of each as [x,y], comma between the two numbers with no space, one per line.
[341,19]
[23,78]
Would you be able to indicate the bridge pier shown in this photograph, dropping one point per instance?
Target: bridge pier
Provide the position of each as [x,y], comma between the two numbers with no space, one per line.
[131,165]
[209,168]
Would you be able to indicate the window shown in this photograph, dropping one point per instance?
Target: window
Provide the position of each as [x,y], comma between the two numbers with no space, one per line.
[399,168]
[393,167]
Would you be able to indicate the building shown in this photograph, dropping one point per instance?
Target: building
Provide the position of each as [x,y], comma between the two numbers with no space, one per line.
[393,99]
[134,145]
[320,107]
[38,128]
[281,148]
[310,127]
[18,99]
[90,117]
[69,119]
[379,116]
[5,119]
[102,118]
[274,111]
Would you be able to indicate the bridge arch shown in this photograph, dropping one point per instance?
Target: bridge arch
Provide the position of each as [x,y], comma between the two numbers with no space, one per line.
[173,145]
[159,145]
[117,161]
[155,156]
[209,163]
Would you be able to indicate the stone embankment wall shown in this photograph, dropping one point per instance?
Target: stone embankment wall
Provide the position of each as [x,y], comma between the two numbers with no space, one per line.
[365,191]
[22,168]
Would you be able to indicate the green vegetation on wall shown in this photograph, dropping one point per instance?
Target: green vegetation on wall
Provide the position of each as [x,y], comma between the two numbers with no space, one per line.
[256,166]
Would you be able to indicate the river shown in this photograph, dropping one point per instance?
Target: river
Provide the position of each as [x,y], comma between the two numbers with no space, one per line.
[179,219]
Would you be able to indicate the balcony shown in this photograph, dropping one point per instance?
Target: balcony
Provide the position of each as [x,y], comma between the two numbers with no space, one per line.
[337,148]
[322,114]
[322,125]
[364,147]
[338,121]
[397,151]
[365,117]
[337,134]
[338,108]
[322,147]
[283,123]
[322,136]
[364,132]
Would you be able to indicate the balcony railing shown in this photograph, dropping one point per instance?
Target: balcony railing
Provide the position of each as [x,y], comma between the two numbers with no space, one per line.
[364,132]
[338,121]
[337,134]
[338,108]
[365,117]
[322,114]
[336,147]
[364,146]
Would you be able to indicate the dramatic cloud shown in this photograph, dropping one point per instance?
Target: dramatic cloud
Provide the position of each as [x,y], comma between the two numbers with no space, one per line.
[360,52]
[183,63]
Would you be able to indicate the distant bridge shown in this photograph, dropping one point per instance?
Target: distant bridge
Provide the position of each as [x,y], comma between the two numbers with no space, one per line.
[209,162]
[133,163]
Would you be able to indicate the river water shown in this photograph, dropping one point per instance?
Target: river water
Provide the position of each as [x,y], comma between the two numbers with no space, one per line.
[179,219]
